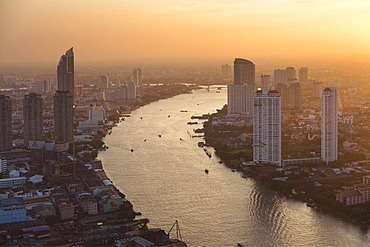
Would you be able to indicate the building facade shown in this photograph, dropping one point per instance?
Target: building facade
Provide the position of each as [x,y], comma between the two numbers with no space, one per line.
[66,72]
[63,116]
[303,75]
[102,81]
[329,125]
[240,99]
[5,123]
[33,118]
[12,209]
[267,127]
[265,82]
[244,72]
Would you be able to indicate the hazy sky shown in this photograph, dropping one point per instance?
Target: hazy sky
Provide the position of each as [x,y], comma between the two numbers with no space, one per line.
[42,30]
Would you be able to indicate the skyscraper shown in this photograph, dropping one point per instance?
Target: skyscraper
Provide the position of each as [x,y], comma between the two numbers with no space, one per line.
[265,82]
[139,77]
[291,74]
[267,127]
[290,96]
[303,75]
[240,99]
[33,118]
[63,99]
[5,123]
[66,72]
[329,127]
[244,72]
[280,76]
[102,81]
[63,116]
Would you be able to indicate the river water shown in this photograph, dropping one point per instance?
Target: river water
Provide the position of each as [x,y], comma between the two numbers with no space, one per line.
[164,178]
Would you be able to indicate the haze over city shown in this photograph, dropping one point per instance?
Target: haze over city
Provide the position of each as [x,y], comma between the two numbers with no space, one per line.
[114,30]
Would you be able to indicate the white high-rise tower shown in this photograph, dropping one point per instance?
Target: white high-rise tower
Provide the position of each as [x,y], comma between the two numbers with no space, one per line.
[329,127]
[267,127]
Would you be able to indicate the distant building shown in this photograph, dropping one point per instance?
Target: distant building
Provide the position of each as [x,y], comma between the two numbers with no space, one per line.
[265,82]
[5,123]
[3,167]
[102,81]
[303,75]
[226,70]
[280,76]
[43,86]
[131,91]
[137,76]
[317,89]
[329,127]
[96,114]
[33,118]
[267,127]
[12,209]
[63,116]
[291,74]
[244,72]
[290,96]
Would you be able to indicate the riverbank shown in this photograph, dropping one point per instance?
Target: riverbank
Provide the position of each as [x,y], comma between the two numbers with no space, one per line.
[312,183]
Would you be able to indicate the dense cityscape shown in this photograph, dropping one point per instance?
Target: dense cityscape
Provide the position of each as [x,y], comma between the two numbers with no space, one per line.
[306,138]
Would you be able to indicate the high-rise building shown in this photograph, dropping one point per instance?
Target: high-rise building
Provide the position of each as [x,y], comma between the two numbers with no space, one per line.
[303,75]
[5,123]
[329,127]
[316,89]
[102,81]
[280,76]
[291,74]
[265,82]
[139,77]
[240,99]
[267,127]
[244,72]
[66,72]
[290,96]
[131,90]
[226,70]
[43,86]
[33,118]
[63,116]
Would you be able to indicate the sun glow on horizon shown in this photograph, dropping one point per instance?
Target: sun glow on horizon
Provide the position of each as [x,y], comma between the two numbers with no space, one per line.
[108,30]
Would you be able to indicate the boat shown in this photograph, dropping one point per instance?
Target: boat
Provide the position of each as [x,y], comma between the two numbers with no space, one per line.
[192,122]
[201,144]
[233,170]
[206,171]
[183,111]
[110,132]
[217,91]
[311,204]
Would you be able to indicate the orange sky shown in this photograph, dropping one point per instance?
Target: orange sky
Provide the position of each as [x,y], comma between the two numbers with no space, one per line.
[100,30]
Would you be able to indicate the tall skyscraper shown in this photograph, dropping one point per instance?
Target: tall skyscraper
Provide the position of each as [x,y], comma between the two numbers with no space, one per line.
[244,72]
[329,127]
[267,127]
[265,82]
[102,81]
[131,90]
[66,72]
[280,76]
[33,118]
[43,86]
[5,123]
[303,75]
[63,116]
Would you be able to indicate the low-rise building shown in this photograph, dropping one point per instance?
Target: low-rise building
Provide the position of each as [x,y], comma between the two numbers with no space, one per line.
[12,182]
[12,209]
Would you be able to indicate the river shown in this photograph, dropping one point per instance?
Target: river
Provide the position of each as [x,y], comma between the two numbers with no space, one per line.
[163,176]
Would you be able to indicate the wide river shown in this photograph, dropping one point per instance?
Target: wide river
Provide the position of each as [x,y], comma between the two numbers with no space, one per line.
[164,178]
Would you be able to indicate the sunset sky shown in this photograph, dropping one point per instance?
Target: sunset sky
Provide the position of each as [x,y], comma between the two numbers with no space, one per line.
[103,30]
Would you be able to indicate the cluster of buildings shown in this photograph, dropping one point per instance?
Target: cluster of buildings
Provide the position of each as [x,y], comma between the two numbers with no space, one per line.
[262,107]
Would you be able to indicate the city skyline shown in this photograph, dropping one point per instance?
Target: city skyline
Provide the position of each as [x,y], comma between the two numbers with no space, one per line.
[120,30]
